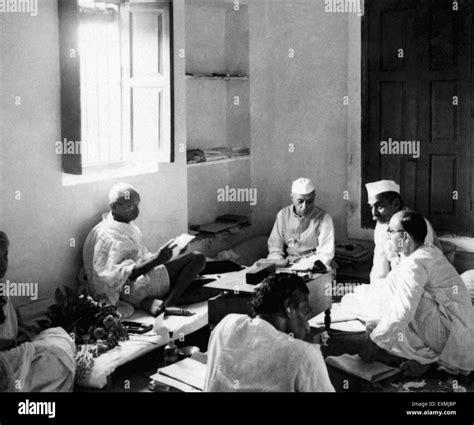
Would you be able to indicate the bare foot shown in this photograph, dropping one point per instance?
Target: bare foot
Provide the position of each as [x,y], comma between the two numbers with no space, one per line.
[154,306]
[414,369]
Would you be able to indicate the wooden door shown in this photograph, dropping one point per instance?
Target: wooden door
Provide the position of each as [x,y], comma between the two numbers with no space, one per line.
[417,89]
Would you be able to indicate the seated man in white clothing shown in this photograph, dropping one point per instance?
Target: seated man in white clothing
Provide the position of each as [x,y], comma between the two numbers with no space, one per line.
[265,353]
[302,228]
[43,364]
[118,265]
[425,314]
[385,201]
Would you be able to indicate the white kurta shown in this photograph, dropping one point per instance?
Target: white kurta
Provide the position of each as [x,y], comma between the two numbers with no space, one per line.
[384,257]
[426,312]
[247,354]
[295,236]
[110,253]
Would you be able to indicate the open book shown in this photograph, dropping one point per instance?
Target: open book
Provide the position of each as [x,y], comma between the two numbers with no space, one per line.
[353,364]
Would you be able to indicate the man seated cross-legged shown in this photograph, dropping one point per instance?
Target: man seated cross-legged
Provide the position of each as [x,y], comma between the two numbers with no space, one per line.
[119,266]
[425,315]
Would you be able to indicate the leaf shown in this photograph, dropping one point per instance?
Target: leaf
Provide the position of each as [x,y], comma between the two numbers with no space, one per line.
[60,298]
[69,294]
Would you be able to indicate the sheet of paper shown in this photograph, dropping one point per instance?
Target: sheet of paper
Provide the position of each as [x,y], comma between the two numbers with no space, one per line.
[189,371]
[351,326]
[174,383]
[181,241]
[304,264]
[338,314]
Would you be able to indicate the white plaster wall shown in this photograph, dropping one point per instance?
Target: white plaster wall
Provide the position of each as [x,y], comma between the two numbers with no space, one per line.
[48,214]
[298,100]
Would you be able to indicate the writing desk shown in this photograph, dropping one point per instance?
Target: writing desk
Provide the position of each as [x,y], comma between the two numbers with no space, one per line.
[236,294]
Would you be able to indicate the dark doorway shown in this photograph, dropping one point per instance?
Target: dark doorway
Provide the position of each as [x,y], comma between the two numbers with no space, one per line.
[417,62]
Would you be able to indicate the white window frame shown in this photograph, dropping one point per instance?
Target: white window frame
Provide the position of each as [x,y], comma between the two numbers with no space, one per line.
[132,162]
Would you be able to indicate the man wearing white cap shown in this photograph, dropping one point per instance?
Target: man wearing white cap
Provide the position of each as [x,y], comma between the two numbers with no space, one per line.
[302,227]
[118,265]
[385,201]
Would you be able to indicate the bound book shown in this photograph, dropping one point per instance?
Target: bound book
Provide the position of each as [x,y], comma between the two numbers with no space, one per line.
[353,364]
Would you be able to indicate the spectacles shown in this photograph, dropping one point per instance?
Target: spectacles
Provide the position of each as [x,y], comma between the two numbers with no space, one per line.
[390,232]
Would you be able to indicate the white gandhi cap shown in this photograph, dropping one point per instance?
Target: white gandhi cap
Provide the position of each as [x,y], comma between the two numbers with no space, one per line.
[375,188]
[302,186]
[121,190]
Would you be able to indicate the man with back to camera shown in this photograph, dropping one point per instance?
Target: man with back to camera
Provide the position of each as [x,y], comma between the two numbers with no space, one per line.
[266,352]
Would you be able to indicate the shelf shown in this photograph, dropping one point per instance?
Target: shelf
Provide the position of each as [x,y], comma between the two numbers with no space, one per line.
[222,161]
[215,77]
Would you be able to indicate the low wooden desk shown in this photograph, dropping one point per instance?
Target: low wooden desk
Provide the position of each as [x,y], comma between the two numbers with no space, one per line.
[236,295]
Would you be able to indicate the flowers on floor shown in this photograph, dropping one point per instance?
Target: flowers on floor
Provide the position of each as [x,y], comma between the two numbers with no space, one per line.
[95,328]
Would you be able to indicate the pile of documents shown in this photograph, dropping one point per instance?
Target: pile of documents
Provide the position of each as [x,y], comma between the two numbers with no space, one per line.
[341,321]
[188,375]
[223,223]
[194,156]
[352,254]
[240,152]
[215,154]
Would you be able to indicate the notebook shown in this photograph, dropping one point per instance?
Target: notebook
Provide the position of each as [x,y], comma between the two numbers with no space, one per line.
[353,364]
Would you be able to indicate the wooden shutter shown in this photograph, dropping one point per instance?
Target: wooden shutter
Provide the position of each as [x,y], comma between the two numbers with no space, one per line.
[146,81]
[70,82]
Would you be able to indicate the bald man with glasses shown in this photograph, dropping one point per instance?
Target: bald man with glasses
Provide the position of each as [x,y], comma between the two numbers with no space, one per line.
[385,201]
[425,315]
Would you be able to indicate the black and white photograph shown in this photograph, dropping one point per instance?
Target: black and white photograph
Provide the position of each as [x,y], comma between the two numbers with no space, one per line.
[236,196]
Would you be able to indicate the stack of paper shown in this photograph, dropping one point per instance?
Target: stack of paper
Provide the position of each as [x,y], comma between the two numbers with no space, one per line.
[341,320]
[352,254]
[338,314]
[372,372]
[190,372]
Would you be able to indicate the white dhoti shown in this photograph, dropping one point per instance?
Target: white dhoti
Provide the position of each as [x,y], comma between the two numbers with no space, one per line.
[44,365]
[111,251]
[420,311]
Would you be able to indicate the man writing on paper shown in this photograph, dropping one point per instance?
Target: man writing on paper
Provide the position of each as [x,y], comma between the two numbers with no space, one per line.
[385,201]
[426,314]
[302,228]
[118,265]
[265,352]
